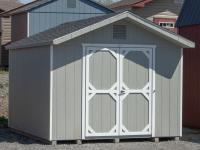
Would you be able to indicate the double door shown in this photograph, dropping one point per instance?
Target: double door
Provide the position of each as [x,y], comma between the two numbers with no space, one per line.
[118,91]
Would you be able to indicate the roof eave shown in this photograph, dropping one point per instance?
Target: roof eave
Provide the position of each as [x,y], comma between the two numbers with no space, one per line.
[179,40]
[29,45]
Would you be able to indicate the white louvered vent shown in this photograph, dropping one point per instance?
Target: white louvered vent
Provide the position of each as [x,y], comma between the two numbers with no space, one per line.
[119,32]
[71,3]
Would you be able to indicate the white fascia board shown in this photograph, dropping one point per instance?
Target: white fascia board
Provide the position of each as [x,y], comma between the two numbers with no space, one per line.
[178,39]
[90,28]
[185,43]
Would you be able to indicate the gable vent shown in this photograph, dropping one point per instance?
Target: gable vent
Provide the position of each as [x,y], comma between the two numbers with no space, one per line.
[71,3]
[119,32]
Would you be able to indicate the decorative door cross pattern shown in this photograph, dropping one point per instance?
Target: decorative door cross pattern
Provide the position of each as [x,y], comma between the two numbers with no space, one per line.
[118,91]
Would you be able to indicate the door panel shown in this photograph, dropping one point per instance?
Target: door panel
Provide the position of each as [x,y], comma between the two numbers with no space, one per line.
[102,115]
[102,100]
[136,91]
[103,68]
[118,91]
[135,107]
[135,69]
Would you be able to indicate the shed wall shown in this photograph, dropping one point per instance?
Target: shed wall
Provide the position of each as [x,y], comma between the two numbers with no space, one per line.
[29,90]
[19,26]
[67,81]
[56,13]
[191,86]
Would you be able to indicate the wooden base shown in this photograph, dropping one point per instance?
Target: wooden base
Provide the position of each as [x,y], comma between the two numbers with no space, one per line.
[117,140]
[177,138]
[54,143]
[156,140]
[79,142]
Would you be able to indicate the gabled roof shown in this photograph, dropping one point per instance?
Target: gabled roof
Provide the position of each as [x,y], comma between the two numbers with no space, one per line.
[190,13]
[68,31]
[6,5]
[129,4]
[38,3]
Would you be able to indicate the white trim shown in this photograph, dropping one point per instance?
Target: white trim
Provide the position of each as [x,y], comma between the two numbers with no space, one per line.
[91,91]
[181,94]
[83,92]
[146,89]
[28,23]
[51,91]
[154,95]
[150,128]
[166,34]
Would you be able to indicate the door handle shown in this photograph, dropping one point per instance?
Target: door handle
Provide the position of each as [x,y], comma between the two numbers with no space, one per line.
[122,92]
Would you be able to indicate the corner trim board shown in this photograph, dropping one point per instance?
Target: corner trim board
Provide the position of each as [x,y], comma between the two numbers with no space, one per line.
[83,92]
[28,28]
[51,92]
[181,94]
[154,95]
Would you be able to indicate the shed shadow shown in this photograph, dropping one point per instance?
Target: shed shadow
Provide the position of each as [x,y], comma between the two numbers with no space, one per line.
[165,66]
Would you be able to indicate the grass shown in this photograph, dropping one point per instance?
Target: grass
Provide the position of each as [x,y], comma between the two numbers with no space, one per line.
[3,121]
[3,72]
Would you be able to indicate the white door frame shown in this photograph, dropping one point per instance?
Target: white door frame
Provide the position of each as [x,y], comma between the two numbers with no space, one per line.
[85,46]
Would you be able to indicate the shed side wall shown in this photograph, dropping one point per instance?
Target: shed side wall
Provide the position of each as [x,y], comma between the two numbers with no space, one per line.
[68,81]
[56,13]
[191,86]
[29,91]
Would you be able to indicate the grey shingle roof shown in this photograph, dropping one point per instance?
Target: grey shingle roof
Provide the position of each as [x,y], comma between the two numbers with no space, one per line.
[48,36]
[190,13]
[6,5]
[38,3]
[124,3]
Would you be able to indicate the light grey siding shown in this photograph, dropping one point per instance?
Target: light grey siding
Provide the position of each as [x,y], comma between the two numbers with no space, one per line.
[19,27]
[68,80]
[29,91]
[67,93]
[57,12]
[102,76]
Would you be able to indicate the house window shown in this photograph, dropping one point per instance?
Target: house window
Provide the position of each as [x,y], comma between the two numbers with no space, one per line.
[119,32]
[167,24]
[71,3]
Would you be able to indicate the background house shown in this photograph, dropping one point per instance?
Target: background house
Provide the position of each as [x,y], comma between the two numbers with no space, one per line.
[5,29]
[189,26]
[41,15]
[161,12]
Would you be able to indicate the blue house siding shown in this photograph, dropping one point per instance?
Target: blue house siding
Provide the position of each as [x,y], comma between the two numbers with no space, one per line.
[57,12]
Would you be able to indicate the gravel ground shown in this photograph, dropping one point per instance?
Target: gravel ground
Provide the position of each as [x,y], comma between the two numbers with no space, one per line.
[4,94]
[11,141]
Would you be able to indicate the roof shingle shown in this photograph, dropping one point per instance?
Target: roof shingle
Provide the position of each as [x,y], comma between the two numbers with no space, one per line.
[7,5]
[190,13]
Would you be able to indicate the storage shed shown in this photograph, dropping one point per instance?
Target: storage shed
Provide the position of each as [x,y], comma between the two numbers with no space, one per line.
[112,76]
[189,27]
